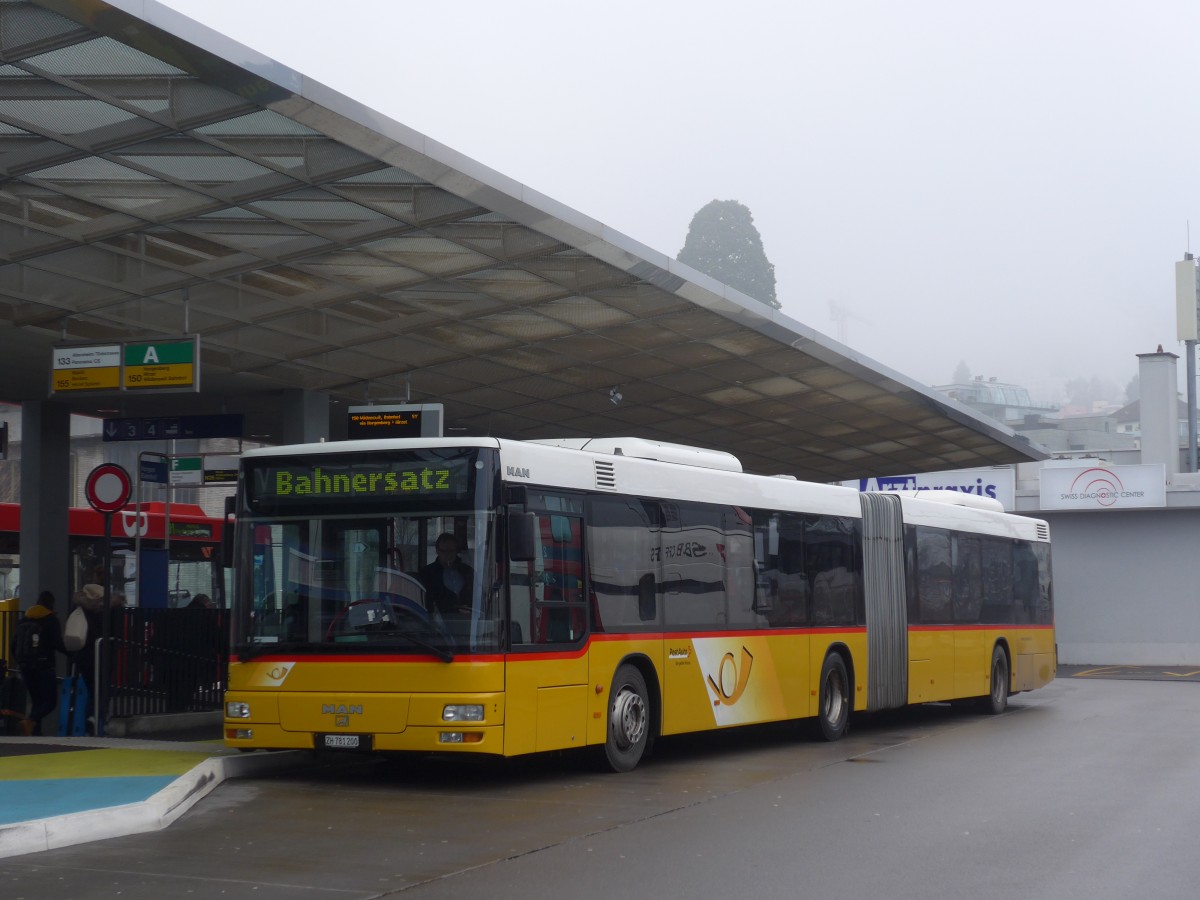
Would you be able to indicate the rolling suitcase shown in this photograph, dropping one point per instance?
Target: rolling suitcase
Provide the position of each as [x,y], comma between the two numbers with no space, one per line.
[73,706]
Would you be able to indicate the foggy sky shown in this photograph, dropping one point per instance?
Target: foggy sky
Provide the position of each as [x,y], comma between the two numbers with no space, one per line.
[1007,185]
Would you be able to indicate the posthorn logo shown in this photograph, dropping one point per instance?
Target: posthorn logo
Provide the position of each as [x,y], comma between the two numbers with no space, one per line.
[1101,485]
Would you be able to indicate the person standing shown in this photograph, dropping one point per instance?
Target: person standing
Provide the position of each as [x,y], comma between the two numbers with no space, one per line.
[91,599]
[37,637]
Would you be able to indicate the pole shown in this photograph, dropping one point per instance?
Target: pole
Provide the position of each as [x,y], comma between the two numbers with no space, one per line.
[137,531]
[1191,403]
[1187,300]
[100,681]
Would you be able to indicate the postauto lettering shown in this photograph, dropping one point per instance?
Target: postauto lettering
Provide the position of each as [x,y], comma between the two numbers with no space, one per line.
[320,482]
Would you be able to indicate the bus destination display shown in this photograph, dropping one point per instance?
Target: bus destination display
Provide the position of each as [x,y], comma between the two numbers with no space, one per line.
[380,479]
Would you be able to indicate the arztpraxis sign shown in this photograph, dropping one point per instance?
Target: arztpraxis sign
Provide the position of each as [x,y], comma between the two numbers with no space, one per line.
[997,482]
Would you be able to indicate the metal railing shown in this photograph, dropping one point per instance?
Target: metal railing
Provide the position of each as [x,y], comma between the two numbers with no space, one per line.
[160,661]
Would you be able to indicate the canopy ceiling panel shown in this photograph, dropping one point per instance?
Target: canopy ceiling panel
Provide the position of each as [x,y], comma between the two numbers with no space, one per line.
[156,178]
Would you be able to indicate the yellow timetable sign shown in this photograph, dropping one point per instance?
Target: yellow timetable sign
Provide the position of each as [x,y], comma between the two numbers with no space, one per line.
[163,364]
[87,379]
[86,368]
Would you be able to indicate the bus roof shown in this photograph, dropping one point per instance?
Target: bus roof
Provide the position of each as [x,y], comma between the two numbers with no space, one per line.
[668,471]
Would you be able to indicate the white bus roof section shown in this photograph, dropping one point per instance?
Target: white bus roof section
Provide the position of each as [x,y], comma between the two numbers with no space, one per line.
[161,178]
[662,451]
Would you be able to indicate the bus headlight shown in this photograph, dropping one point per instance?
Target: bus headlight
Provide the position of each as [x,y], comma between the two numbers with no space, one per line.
[462,712]
[237,710]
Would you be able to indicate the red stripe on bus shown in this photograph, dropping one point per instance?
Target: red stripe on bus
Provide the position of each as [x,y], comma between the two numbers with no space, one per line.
[994,627]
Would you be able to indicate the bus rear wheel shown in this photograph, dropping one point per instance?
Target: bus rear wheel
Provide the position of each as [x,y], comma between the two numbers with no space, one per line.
[833,713]
[628,720]
[997,699]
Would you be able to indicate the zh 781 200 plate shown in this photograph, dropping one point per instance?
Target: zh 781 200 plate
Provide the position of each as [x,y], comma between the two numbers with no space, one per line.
[343,741]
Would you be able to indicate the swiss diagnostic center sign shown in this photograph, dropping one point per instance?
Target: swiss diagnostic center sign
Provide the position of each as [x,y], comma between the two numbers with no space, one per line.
[1103,487]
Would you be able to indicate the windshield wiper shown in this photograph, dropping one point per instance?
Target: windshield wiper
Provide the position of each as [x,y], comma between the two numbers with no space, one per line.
[441,652]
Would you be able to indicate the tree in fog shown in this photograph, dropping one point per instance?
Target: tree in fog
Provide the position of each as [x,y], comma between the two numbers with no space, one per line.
[723,243]
[1133,390]
[1088,391]
[962,374]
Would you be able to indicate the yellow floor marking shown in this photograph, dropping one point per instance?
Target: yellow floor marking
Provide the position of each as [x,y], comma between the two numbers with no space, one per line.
[99,764]
[1101,671]
[1184,674]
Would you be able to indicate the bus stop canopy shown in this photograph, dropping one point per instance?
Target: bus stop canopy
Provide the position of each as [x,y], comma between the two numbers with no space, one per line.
[160,179]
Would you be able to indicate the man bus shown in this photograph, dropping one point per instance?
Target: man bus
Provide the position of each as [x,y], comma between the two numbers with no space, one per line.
[620,590]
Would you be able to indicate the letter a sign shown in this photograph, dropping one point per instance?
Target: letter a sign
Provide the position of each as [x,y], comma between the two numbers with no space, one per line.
[162,366]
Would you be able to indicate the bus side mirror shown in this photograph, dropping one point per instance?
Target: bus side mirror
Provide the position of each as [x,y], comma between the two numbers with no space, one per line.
[523,536]
[227,533]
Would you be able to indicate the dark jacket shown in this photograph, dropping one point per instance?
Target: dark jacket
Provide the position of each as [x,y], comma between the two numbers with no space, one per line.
[51,638]
[438,596]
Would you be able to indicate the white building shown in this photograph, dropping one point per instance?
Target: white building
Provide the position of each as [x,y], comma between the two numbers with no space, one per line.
[1125,529]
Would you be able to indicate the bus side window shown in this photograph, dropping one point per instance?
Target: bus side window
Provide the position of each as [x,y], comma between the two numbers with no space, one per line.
[830,546]
[560,614]
[1025,582]
[968,578]
[934,576]
[1045,599]
[622,548]
[997,582]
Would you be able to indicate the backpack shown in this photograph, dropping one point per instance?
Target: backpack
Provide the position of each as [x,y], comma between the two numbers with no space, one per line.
[76,630]
[27,642]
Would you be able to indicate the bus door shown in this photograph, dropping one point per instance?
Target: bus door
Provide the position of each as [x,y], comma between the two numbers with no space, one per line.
[547,671]
[700,689]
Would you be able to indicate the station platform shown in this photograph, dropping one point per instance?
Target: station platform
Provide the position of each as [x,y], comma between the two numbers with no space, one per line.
[60,791]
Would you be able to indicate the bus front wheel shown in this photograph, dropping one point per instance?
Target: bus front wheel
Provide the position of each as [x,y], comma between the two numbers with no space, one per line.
[628,720]
[833,712]
[997,699]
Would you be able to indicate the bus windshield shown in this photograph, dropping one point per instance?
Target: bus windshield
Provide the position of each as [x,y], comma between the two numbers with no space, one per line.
[374,571]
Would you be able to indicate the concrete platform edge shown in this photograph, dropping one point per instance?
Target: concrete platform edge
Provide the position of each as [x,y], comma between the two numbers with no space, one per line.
[152,814]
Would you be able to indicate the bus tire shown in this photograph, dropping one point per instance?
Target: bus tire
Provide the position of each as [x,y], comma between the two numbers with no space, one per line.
[628,720]
[833,711]
[997,699]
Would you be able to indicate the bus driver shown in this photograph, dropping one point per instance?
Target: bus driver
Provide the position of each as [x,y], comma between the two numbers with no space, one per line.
[448,579]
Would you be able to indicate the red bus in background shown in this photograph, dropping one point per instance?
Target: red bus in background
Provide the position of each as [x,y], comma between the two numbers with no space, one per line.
[192,559]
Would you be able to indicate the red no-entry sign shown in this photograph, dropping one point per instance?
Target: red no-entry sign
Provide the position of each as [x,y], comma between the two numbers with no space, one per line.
[107,488]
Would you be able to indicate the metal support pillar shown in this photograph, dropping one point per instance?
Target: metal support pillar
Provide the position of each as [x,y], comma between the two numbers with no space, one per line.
[305,417]
[45,496]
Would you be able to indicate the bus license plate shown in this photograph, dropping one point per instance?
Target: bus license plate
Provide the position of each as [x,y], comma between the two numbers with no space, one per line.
[342,741]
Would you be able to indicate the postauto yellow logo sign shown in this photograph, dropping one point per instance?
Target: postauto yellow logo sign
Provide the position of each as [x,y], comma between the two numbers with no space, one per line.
[731,680]
[739,675]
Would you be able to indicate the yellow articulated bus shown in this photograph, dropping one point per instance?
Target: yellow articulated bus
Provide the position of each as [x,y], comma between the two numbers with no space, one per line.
[480,595]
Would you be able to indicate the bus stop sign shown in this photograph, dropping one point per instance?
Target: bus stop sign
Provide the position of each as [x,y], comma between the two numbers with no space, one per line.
[107,488]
